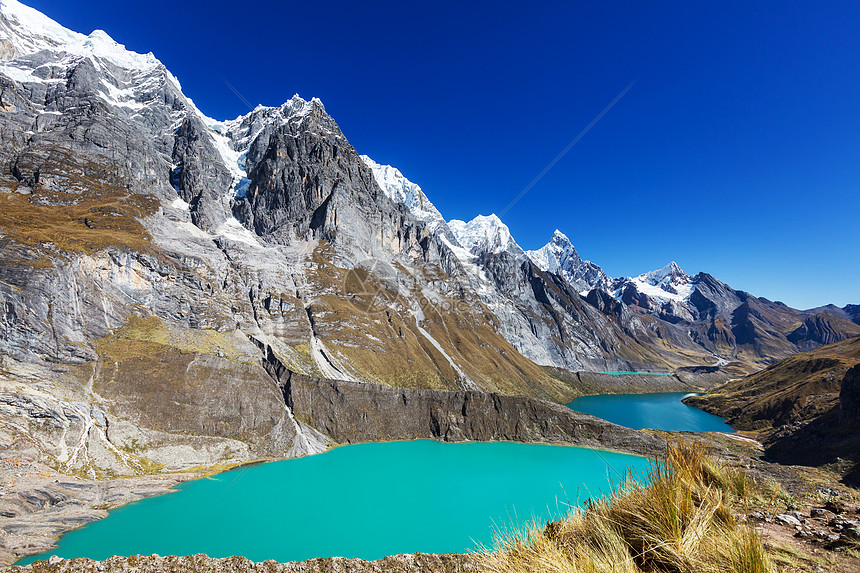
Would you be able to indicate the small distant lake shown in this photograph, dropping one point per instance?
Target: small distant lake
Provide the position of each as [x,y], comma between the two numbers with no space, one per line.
[364,500]
[656,411]
[624,372]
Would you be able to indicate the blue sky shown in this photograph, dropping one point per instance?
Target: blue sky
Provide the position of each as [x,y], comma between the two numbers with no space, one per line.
[737,151]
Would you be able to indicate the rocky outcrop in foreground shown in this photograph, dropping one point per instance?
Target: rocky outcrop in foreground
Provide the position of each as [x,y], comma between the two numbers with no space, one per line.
[405,563]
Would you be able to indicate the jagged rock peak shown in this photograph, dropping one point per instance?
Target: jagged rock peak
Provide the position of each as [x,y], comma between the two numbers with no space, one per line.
[560,257]
[295,106]
[484,235]
[560,240]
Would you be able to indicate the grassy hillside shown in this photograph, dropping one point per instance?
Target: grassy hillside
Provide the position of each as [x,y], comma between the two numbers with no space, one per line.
[799,388]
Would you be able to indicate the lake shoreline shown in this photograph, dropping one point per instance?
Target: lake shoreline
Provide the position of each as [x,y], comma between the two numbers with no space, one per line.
[50,503]
[664,411]
[481,483]
[332,408]
[797,481]
[201,563]
[328,405]
[38,532]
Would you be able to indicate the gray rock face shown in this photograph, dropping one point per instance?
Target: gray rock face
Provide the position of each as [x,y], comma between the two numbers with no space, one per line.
[306,181]
[65,106]
[199,175]
[350,412]
[294,170]
[608,305]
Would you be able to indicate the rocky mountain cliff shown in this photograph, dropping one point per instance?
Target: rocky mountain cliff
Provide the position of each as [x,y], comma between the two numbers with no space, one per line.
[153,258]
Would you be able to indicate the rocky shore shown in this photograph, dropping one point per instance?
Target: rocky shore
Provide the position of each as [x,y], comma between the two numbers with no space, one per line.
[405,563]
[38,504]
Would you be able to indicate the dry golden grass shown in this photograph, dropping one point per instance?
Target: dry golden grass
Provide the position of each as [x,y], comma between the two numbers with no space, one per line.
[77,206]
[680,521]
[143,334]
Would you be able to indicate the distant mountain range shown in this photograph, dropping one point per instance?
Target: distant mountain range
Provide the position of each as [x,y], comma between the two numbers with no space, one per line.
[151,257]
[730,325]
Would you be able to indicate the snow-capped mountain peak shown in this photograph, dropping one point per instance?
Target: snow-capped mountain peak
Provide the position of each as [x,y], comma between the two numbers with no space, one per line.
[671,274]
[552,256]
[669,283]
[25,31]
[401,190]
[560,257]
[485,234]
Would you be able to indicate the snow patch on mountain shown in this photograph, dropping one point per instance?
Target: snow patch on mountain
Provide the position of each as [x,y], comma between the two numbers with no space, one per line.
[29,31]
[401,190]
[667,283]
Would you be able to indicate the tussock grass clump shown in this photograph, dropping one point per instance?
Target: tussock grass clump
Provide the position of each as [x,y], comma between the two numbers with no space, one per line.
[679,520]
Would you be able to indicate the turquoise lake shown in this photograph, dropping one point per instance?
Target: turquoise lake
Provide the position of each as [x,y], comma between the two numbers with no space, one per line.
[657,411]
[364,500]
